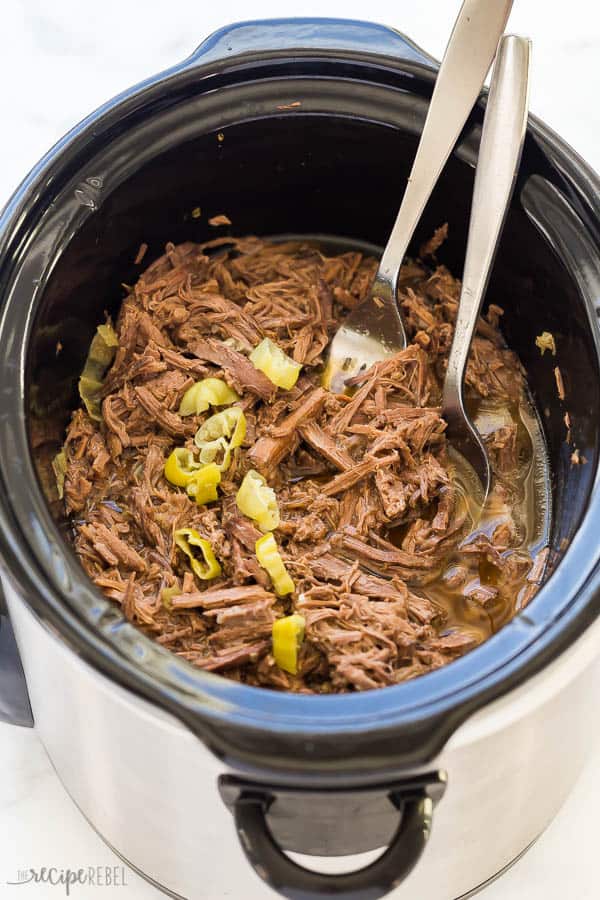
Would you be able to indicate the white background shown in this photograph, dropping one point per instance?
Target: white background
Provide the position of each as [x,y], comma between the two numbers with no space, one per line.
[61,59]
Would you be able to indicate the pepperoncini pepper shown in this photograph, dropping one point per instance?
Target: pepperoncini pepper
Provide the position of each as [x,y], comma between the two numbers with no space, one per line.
[275,364]
[203,485]
[257,500]
[181,467]
[208,568]
[167,594]
[100,355]
[59,466]
[288,634]
[205,393]
[221,434]
[270,559]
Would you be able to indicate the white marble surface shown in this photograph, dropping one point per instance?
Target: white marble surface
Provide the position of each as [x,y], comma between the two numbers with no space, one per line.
[59,60]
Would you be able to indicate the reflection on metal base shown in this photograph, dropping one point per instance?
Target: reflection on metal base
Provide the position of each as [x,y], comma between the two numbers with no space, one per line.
[148,878]
[130,865]
[500,873]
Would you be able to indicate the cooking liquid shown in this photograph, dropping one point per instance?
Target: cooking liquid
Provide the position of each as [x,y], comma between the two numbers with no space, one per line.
[527,506]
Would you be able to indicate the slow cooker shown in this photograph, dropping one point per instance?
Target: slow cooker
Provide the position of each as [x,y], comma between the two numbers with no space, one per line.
[425,790]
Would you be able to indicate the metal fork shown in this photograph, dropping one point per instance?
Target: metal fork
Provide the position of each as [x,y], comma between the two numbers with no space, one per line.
[375,330]
[500,150]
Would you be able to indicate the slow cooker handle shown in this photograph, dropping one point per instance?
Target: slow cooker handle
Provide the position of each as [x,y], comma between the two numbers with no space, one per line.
[414,799]
[282,35]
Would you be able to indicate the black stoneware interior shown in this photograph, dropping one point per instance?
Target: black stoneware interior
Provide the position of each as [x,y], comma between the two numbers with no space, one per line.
[336,176]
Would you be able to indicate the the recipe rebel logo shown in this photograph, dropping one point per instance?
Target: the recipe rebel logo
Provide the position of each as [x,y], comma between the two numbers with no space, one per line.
[68,879]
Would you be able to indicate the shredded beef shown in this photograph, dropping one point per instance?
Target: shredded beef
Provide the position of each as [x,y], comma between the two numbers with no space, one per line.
[375,528]
[241,371]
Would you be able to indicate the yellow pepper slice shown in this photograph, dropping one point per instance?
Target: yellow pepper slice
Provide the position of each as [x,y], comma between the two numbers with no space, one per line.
[205,393]
[203,485]
[100,356]
[221,434]
[186,539]
[59,467]
[181,467]
[275,364]
[167,594]
[288,634]
[257,500]
[211,451]
[270,559]
[203,494]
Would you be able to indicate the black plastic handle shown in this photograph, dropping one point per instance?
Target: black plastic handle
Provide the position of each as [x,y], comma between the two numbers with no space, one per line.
[285,35]
[414,800]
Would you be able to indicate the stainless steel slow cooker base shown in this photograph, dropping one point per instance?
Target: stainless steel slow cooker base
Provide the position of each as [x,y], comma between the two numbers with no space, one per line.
[150,787]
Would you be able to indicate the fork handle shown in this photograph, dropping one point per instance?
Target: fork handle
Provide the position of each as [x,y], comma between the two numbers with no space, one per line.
[500,150]
[468,57]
